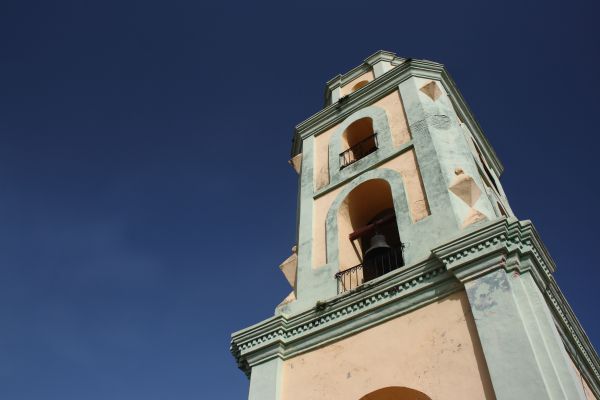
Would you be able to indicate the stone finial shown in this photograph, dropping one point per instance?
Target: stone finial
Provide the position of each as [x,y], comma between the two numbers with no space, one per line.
[296,163]
[289,267]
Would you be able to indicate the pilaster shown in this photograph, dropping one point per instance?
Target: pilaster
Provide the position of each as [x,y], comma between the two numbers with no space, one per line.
[266,381]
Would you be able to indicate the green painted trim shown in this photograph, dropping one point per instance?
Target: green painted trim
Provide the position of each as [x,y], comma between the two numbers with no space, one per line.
[304,273]
[266,380]
[377,301]
[366,66]
[373,63]
[364,168]
[580,348]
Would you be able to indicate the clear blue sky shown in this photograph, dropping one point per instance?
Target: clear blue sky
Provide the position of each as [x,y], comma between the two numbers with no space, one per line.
[145,199]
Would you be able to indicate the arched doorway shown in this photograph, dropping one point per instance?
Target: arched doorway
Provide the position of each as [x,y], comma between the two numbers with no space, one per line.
[396,393]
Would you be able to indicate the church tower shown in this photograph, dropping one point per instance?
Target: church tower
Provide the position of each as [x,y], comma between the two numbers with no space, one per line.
[412,278]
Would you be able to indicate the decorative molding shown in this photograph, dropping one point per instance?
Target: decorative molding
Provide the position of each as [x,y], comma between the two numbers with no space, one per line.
[578,338]
[506,235]
[372,303]
[366,66]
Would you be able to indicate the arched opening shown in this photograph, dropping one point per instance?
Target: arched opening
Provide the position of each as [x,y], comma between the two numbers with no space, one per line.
[358,140]
[369,242]
[396,393]
[359,85]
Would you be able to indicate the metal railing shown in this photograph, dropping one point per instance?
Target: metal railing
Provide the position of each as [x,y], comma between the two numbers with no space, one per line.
[361,149]
[370,269]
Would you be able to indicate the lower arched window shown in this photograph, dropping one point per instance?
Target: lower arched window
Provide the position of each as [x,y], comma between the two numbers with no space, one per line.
[369,244]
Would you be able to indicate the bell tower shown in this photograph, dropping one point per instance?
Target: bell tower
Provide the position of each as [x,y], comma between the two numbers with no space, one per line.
[411,277]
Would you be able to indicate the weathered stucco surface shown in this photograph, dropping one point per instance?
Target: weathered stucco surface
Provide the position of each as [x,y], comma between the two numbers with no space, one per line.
[434,349]
[406,164]
[392,104]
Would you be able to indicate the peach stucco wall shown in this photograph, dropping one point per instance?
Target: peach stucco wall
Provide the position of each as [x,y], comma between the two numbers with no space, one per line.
[434,349]
[406,164]
[347,88]
[321,158]
[394,108]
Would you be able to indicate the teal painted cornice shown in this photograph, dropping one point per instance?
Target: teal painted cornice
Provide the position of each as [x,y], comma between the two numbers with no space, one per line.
[374,302]
[366,66]
[387,83]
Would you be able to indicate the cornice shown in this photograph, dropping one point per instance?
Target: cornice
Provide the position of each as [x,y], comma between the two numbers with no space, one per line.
[372,303]
[577,338]
[366,66]
[381,55]
[503,236]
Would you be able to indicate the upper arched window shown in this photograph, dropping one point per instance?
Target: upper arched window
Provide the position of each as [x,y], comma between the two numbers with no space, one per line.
[359,85]
[358,140]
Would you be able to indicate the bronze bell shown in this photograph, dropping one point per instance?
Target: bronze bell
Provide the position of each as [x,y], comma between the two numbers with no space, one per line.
[378,244]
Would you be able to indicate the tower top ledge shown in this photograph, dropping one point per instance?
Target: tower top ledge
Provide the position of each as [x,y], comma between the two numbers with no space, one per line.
[371,63]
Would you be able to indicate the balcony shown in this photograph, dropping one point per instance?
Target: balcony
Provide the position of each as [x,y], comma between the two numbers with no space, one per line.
[361,149]
[370,269]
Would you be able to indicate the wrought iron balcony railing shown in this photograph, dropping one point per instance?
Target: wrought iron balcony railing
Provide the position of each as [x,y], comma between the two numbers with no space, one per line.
[370,269]
[361,149]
